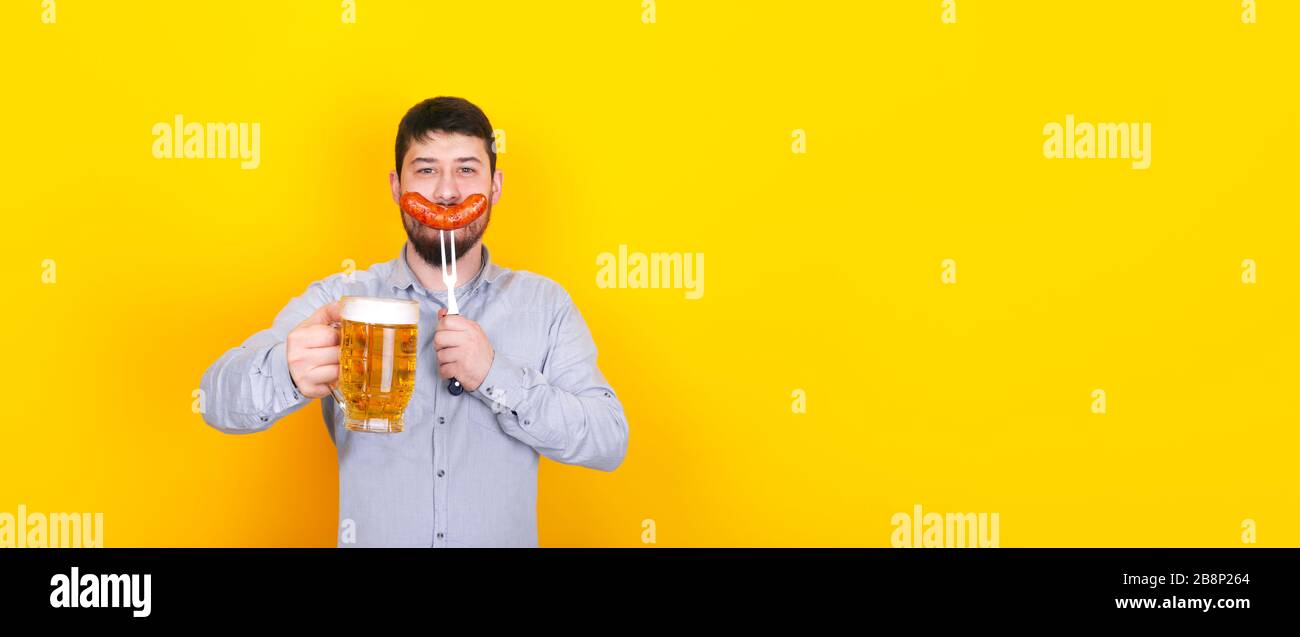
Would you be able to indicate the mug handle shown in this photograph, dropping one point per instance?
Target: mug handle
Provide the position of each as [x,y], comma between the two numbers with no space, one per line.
[339,401]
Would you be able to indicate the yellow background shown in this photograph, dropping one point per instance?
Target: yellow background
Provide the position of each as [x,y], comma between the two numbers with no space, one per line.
[822,269]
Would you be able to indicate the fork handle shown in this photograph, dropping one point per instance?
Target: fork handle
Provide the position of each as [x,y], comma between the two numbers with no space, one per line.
[453,385]
[449,279]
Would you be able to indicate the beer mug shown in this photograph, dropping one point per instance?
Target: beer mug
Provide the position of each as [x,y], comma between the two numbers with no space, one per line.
[377,345]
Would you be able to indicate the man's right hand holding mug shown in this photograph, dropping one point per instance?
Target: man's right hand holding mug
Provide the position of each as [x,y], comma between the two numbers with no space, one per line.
[312,349]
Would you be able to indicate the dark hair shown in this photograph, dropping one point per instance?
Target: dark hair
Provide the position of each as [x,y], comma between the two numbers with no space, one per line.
[447,115]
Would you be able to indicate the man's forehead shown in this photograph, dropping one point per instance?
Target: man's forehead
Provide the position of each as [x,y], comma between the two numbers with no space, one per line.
[449,149]
[445,142]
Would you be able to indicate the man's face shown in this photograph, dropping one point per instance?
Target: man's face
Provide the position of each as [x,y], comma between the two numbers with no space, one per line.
[446,168]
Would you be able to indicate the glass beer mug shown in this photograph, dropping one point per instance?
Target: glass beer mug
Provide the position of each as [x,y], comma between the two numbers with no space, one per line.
[377,345]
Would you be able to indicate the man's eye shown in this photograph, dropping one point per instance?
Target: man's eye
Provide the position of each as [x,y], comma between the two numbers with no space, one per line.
[425,171]
[467,170]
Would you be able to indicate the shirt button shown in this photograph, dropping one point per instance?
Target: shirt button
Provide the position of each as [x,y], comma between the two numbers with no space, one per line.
[489,390]
[439,536]
[441,473]
[442,420]
[527,421]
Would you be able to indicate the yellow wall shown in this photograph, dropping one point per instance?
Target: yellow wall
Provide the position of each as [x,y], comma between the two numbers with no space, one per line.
[823,269]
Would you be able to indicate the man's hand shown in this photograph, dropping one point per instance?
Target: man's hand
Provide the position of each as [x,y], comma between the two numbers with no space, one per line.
[313,352]
[463,350]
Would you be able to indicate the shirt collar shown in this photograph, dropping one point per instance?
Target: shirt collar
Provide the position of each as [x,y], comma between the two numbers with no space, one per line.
[402,278]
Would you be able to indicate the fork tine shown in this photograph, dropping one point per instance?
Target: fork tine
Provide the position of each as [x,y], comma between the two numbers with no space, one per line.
[449,276]
[442,248]
[452,236]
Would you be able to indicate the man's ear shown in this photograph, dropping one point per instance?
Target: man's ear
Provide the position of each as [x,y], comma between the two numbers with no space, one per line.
[497,179]
[395,183]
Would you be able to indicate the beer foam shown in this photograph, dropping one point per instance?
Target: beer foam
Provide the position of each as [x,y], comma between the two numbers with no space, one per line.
[366,309]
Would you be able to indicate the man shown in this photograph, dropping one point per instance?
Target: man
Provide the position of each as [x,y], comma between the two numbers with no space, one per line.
[464,470]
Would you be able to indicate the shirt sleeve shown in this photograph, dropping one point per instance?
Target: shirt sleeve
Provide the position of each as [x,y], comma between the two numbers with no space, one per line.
[567,412]
[249,387]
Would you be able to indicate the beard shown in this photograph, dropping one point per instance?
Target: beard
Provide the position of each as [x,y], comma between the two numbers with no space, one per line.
[426,240]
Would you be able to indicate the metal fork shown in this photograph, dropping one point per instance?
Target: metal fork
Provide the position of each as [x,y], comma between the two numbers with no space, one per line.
[449,280]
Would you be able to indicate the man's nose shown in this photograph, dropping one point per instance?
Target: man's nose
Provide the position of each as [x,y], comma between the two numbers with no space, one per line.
[445,191]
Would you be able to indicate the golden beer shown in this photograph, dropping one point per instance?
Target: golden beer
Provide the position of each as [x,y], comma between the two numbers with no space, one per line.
[377,345]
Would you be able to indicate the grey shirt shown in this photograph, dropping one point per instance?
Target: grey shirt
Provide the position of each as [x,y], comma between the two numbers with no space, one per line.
[464,470]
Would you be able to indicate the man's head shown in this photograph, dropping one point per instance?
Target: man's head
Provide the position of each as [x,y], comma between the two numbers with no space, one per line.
[444,151]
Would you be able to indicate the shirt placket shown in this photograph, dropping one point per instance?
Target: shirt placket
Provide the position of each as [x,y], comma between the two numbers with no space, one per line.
[439,438]
[440,476]
[443,405]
